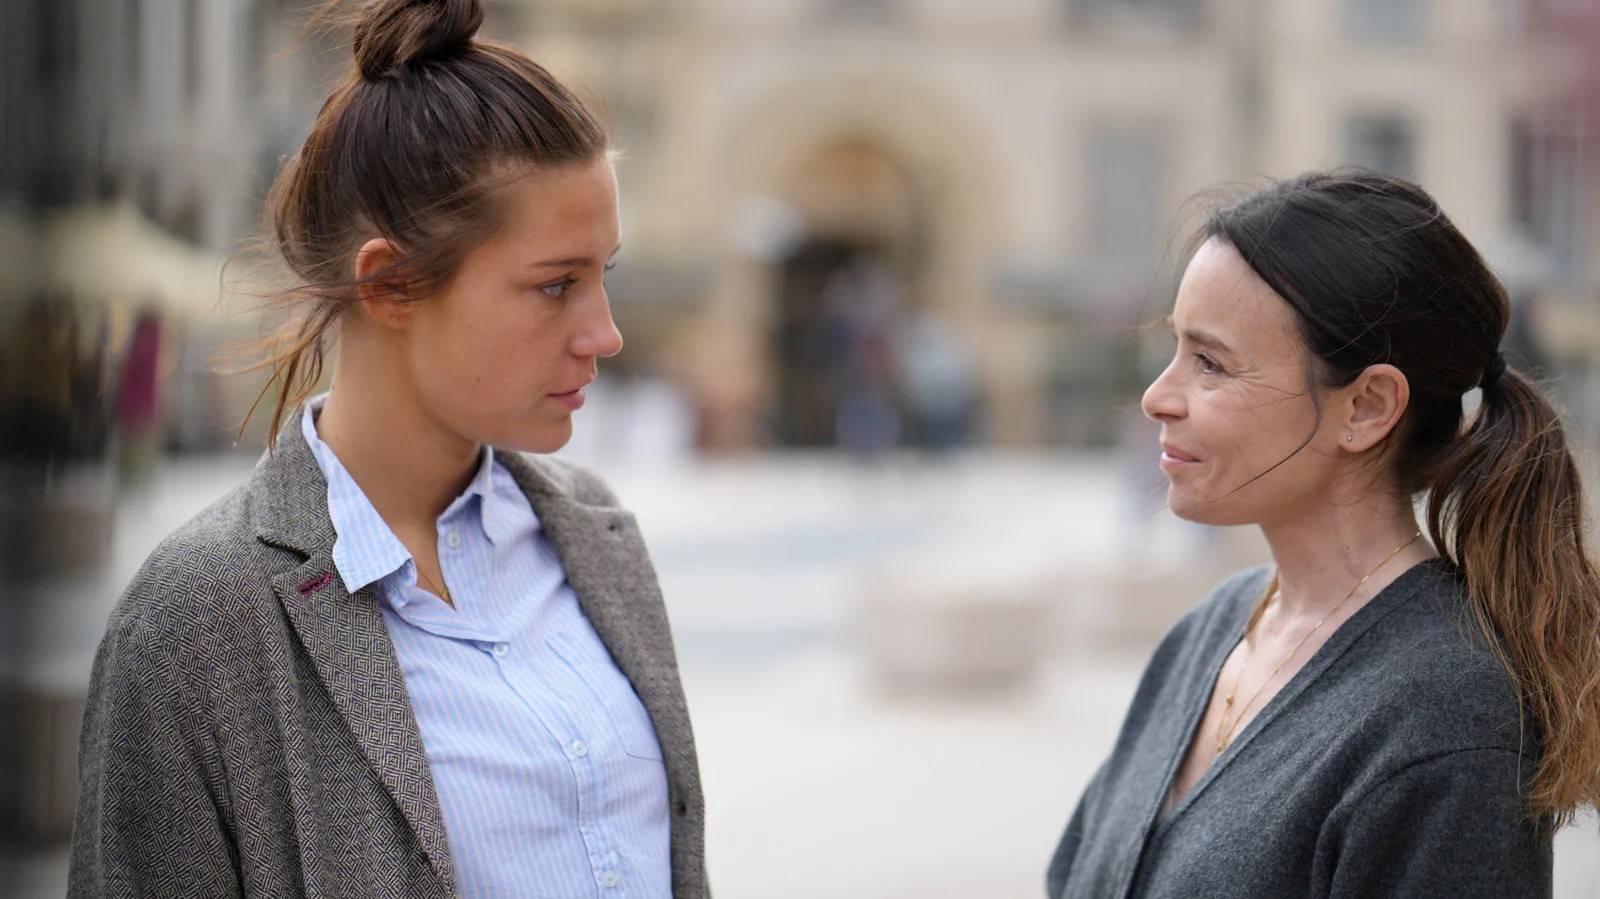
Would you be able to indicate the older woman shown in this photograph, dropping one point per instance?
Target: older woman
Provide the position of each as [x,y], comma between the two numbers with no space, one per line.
[1374,714]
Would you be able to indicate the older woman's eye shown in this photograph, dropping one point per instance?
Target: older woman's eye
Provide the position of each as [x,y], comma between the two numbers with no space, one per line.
[1206,365]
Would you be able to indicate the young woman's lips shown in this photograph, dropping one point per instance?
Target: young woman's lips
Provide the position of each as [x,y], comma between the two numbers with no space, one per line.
[1173,458]
[572,399]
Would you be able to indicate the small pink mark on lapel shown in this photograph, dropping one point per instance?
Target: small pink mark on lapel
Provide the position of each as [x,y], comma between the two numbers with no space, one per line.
[315,584]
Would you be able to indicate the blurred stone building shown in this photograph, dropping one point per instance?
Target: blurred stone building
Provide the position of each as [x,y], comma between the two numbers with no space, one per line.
[839,212]
[1022,168]
[142,136]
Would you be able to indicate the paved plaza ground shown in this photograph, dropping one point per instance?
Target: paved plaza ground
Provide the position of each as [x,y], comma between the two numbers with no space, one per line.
[820,780]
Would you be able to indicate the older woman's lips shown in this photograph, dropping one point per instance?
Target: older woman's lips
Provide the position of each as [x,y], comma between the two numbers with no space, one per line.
[1173,458]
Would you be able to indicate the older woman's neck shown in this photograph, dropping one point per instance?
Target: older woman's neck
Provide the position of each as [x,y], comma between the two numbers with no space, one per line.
[1323,552]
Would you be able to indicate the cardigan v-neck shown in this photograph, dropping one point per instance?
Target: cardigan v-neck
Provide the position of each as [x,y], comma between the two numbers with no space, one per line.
[1384,766]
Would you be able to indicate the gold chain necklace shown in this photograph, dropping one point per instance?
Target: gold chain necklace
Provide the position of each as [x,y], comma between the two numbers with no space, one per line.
[441,592]
[1231,716]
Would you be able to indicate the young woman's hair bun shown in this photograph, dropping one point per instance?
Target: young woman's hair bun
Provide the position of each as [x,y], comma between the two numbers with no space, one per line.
[394,35]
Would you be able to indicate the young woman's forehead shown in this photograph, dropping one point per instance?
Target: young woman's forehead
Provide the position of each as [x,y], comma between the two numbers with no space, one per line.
[562,197]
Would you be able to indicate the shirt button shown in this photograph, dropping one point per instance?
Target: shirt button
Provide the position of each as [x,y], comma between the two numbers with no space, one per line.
[579,749]
[452,540]
[610,879]
[501,649]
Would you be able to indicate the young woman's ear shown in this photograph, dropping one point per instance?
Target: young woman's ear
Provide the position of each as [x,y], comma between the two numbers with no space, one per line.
[383,298]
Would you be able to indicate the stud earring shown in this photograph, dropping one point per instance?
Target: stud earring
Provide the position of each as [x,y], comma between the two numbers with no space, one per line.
[1349,437]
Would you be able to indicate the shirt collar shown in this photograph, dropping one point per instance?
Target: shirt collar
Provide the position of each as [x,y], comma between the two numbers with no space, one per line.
[505,509]
[365,550]
[496,512]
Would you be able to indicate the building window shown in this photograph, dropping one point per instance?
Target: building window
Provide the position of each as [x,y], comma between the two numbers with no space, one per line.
[1383,143]
[868,10]
[133,37]
[193,46]
[1549,186]
[1126,175]
[1385,21]
[56,42]
[1178,14]
[1517,19]
[1524,19]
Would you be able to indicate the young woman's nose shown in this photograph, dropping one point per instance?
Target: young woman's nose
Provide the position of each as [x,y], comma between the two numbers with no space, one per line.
[598,335]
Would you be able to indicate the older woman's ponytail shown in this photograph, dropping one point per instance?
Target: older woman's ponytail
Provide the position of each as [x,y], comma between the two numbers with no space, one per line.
[1506,507]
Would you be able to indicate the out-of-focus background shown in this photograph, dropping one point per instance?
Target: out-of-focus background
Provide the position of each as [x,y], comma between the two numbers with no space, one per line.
[885,267]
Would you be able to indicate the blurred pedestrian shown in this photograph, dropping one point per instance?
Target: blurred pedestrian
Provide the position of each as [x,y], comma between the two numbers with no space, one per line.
[862,306]
[940,381]
[139,400]
[404,659]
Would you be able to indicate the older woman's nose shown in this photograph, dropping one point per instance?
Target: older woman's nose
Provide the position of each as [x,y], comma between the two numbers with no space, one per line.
[1162,400]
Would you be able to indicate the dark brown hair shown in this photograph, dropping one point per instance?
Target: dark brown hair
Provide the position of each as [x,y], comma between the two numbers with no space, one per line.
[411,146]
[1378,274]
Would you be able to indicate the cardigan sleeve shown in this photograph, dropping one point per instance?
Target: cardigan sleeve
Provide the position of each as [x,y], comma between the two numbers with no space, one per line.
[146,823]
[1067,850]
[1455,824]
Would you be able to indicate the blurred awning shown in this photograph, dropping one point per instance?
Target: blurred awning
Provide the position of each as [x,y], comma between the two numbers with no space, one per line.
[112,252]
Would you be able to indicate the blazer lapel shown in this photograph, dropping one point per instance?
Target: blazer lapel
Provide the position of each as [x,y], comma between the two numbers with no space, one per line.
[347,640]
[608,567]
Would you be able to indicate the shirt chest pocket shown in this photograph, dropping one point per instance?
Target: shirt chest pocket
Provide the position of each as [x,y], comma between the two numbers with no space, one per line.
[611,691]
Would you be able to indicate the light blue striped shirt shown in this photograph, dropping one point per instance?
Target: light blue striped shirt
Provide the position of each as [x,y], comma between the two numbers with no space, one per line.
[545,762]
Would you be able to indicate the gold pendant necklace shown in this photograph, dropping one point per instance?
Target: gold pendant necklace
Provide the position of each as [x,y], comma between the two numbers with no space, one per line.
[1231,716]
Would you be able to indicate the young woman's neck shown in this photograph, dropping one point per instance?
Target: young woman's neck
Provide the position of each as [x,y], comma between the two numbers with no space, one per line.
[1324,551]
[409,465]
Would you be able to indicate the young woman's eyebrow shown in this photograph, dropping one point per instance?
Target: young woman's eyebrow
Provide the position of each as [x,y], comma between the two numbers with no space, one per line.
[571,261]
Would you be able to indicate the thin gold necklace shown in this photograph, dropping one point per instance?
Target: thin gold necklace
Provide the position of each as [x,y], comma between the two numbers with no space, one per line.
[441,592]
[1231,716]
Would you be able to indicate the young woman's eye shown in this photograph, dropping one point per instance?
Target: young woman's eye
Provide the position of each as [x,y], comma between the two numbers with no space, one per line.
[1206,365]
[558,289]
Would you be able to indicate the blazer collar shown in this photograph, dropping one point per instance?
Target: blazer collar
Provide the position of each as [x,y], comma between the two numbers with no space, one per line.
[608,567]
[346,638]
[290,496]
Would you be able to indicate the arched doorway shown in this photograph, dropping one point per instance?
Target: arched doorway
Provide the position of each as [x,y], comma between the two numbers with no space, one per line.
[819,177]
[843,290]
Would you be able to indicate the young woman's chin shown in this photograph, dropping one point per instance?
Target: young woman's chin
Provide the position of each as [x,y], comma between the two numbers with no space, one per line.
[538,430]
[547,437]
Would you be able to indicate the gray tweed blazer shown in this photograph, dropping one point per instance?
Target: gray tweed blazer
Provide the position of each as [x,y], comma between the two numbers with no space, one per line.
[248,731]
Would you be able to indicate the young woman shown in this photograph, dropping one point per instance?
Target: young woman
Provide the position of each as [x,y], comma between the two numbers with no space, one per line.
[403,659]
[1388,709]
